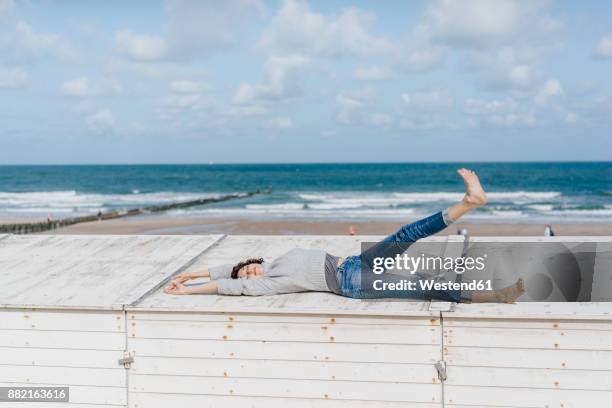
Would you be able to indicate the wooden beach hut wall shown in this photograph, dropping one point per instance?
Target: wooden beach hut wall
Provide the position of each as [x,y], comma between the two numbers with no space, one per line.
[102,304]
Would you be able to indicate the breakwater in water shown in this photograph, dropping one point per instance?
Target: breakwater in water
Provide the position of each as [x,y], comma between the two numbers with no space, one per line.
[32,227]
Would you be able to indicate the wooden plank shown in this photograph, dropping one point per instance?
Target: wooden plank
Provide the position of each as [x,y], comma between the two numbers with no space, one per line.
[542,323]
[533,310]
[305,370]
[313,303]
[83,394]
[64,405]
[530,378]
[106,272]
[323,319]
[156,400]
[62,339]
[528,338]
[257,387]
[384,353]
[99,377]
[29,356]
[62,320]
[286,332]
[482,356]
[513,397]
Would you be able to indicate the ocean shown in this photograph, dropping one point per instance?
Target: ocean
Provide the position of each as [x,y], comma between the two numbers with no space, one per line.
[518,192]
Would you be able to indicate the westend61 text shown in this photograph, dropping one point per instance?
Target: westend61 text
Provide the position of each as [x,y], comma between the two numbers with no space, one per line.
[428,263]
[481,284]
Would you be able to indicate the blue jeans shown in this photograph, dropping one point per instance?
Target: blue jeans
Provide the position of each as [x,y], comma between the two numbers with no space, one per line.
[350,272]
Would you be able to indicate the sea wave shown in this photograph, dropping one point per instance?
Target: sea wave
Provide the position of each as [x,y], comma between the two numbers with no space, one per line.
[368,198]
[71,201]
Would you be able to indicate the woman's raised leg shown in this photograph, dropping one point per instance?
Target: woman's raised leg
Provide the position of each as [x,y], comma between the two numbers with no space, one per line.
[399,242]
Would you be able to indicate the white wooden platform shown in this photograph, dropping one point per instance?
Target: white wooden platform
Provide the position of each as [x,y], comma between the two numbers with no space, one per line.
[72,306]
[63,271]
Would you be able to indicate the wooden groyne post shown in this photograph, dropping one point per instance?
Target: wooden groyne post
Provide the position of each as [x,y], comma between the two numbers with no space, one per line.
[49,225]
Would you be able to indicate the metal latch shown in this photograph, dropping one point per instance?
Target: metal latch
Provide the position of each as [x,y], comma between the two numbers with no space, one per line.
[126,361]
[441,368]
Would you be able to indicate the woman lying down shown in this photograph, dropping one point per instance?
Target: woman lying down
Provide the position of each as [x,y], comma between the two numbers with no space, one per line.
[311,270]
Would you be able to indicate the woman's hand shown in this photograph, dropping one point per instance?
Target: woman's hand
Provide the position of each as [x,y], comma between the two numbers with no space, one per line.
[182,277]
[176,288]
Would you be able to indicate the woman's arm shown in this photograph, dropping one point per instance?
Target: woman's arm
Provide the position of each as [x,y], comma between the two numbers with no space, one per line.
[177,288]
[185,276]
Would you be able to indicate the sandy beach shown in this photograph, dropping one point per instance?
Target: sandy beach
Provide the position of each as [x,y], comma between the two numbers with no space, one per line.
[165,225]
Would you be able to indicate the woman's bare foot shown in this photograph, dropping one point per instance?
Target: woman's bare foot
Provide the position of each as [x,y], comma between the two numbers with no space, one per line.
[474,193]
[509,294]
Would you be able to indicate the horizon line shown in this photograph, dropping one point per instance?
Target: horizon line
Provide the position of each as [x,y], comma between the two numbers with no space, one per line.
[213,163]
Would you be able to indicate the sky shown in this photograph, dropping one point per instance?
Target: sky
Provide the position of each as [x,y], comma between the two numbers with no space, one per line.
[248,81]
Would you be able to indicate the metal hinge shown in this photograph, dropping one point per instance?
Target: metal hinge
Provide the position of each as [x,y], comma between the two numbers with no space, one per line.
[126,361]
[441,368]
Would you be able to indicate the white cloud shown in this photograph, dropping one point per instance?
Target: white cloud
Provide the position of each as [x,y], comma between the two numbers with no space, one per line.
[102,121]
[571,117]
[420,57]
[31,43]
[551,88]
[279,123]
[514,119]
[83,88]
[478,22]
[499,42]
[604,47]
[13,78]
[434,100]
[373,74]
[6,5]
[279,82]
[140,47]
[195,29]
[381,119]
[520,75]
[187,86]
[350,104]
[297,29]
[480,107]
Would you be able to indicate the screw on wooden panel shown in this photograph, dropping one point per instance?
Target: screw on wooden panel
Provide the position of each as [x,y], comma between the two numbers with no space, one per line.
[224,374]
[563,365]
[332,339]
[332,320]
[556,345]
[224,337]
[229,326]
[323,327]
[326,396]
[556,384]
[556,326]
[433,321]
[231,319]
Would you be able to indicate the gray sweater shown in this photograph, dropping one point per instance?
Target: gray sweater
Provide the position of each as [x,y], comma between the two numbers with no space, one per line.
[299,270]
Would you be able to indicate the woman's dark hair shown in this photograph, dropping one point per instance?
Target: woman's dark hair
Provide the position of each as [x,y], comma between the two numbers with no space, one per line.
[242,264]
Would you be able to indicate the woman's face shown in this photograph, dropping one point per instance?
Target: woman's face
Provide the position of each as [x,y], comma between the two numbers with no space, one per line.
[251,271]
